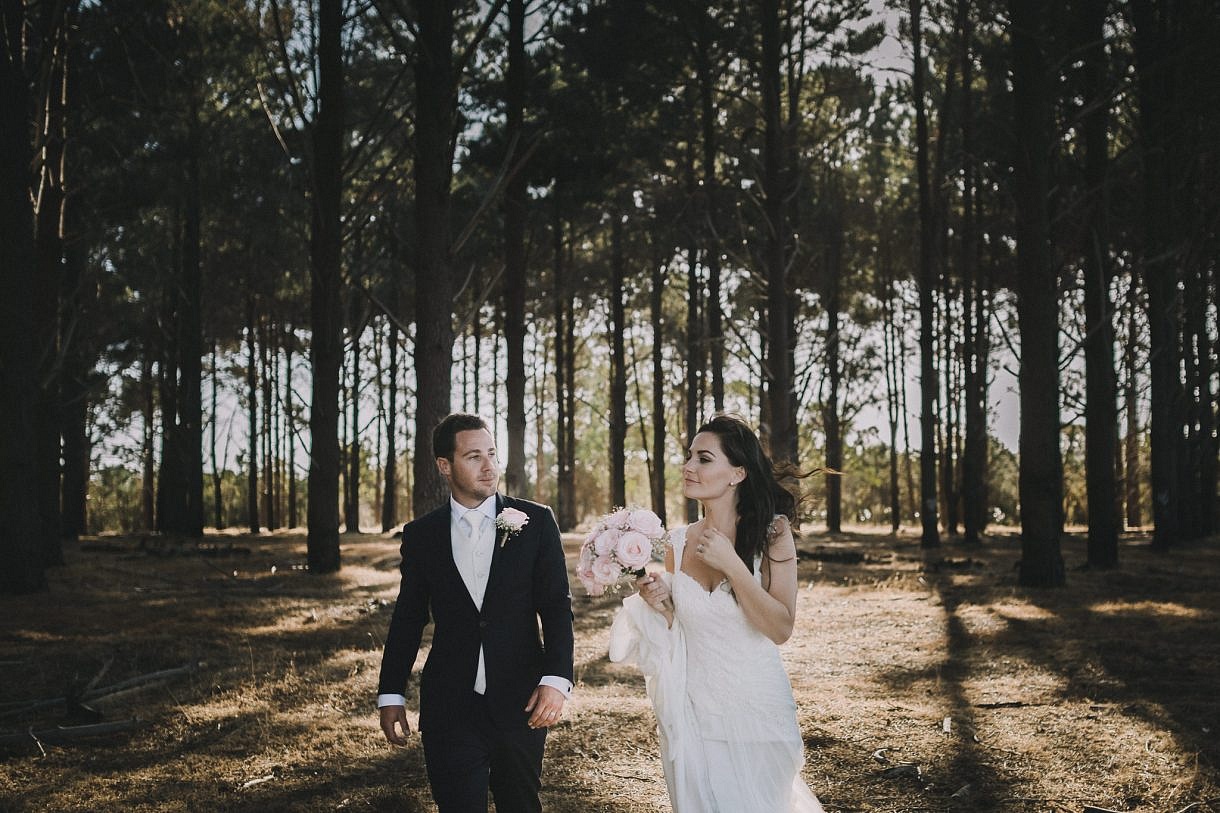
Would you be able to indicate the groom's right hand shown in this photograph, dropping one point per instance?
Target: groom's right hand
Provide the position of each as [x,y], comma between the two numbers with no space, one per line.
[392,719]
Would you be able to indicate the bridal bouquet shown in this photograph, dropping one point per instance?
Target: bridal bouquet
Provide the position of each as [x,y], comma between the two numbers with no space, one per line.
[621,543]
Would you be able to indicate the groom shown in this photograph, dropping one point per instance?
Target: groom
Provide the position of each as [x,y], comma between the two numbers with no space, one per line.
[486,568]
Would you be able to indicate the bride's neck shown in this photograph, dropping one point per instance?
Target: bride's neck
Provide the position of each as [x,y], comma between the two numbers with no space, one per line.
[721,514]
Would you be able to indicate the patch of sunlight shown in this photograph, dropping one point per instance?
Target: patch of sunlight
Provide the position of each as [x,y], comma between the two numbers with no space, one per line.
[1167,609]
[1024,612]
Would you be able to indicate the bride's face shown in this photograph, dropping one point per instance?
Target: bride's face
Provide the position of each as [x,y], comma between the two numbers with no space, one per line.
[708,474]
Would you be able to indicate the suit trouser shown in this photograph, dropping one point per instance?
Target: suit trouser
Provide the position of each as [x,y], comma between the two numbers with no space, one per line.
[468,755]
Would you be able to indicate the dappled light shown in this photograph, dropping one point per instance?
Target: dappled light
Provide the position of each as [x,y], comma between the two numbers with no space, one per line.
[922,682]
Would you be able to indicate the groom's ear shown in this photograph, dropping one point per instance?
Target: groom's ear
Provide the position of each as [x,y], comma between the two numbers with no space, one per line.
[444,465]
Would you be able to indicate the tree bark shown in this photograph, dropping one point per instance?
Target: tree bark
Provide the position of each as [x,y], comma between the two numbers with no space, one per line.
[1155,82]
[389,497]
[22,567]
[48,40]
[515,200]
[832,410]
[929,383]
[351,512]
[658,392]
[709,151]
[1101,388]
[618,367]
[563,485]
[326,313]
[253,521]
[435,116]
[1041,466]
[694,355]
[782,432]
[974,457]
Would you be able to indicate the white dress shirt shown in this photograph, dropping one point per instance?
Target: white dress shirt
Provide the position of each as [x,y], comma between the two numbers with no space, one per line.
[472,532]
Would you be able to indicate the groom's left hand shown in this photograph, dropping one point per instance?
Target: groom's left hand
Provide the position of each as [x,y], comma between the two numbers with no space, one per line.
[546,705]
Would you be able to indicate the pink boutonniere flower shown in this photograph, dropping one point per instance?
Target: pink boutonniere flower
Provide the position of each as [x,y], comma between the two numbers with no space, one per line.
[510,521]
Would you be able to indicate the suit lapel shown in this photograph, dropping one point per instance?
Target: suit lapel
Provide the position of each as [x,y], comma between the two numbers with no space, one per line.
[497,552]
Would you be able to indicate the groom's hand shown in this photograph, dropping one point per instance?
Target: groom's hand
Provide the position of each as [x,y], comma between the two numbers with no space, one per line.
[546,705]
[393,717]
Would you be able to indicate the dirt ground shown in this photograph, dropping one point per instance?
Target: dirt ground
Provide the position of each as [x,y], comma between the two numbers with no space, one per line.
[926,681]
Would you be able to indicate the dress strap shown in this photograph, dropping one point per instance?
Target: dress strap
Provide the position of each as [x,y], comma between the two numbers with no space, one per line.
[677,541]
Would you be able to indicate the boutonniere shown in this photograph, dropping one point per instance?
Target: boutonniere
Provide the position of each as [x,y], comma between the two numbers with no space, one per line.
[510,521]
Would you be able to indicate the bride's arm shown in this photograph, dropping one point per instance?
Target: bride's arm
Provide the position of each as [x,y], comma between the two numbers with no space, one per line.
[771,610]
[655,591]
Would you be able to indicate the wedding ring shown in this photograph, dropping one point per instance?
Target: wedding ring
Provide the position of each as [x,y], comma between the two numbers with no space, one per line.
[699,549]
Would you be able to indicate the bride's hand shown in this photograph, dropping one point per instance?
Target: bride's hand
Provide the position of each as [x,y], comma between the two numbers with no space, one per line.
[655,592]
[716,550]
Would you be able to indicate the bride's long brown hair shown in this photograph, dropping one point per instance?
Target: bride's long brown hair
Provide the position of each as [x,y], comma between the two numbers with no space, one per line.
[763,493]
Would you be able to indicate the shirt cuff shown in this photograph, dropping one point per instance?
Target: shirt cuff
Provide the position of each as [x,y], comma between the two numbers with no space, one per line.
[390,700]
[562,684]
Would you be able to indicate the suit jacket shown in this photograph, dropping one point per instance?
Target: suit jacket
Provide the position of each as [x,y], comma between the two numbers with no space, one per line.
[527,583]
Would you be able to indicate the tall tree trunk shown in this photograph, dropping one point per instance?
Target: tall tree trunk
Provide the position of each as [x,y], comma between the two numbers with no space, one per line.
[49,252]
[1041,466]
[252,513]
[780,388]
[569,326]
[515,200]
[171,488]
[290,463]
[218,520]
[563,488]
[1155,81]
[326,310]
[351,512]
[22,566]
[266,332]
[389,498]
[694,364]
[1131,438]
[929,383]
[1101,389]
[658,392]
[832,415]
[894,378]
[76,318]
[435,114]
[190,346]
[707,122]
[974,482]
[618,366]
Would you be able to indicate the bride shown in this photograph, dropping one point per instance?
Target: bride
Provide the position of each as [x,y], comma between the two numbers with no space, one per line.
[706,634]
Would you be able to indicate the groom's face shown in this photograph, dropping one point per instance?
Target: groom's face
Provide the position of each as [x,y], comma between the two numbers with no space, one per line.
[474,472]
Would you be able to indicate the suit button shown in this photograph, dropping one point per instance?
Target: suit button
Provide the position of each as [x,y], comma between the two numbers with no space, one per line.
[482,624]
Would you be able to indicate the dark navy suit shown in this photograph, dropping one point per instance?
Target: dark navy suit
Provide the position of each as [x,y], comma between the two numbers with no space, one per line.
[472,740]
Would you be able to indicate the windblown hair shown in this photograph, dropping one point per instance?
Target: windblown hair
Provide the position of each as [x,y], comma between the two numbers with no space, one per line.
[444,436]
[763,493]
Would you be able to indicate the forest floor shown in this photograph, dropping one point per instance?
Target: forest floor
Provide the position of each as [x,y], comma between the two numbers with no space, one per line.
[925,681]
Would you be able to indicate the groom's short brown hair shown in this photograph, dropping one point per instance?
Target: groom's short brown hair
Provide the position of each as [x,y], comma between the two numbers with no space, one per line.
[444,436]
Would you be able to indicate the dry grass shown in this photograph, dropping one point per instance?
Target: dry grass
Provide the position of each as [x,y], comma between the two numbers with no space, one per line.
[1104,692]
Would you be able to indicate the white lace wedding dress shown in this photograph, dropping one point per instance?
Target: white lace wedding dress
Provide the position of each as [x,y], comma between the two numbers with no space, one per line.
[729,737]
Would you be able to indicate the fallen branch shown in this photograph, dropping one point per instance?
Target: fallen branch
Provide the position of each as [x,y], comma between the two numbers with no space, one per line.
[97,694]
[70,733]
[258,781]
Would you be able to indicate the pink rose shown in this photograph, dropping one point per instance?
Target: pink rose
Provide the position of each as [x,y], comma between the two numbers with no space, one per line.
[591,585]
[605,541]
[633,550]
[646,522]
[605,571]
[618,519]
